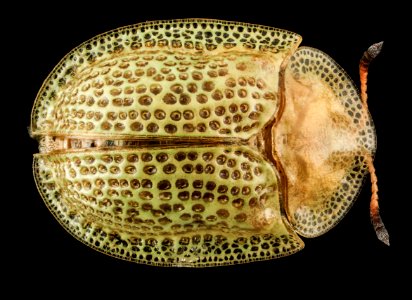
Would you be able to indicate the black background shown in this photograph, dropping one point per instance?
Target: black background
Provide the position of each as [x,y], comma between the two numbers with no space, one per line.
[347,257]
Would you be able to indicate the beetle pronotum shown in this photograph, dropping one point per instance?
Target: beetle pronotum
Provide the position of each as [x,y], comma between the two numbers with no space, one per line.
[201,142]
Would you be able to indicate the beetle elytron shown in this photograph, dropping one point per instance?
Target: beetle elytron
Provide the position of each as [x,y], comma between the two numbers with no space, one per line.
[201,143]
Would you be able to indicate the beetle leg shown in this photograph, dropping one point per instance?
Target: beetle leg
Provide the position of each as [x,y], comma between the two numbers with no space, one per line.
[376,219]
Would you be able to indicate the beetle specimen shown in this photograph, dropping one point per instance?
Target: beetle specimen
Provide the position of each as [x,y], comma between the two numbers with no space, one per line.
[201,143]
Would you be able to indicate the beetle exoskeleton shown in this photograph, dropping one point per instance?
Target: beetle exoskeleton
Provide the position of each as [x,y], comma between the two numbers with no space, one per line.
[199,142]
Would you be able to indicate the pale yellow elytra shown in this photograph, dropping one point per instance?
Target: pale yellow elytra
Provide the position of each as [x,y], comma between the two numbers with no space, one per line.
[201,143]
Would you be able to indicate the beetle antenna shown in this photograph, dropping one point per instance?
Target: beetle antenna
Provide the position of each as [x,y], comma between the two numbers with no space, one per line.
[376,219]
[366,59]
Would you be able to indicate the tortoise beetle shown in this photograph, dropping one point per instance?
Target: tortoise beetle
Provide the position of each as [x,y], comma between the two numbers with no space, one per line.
[202,143]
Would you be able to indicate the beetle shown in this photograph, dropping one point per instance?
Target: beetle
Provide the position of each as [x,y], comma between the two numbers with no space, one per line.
[202,142]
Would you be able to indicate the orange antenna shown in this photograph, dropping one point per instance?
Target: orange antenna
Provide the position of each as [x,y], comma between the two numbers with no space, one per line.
[376,219]
[365,61]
